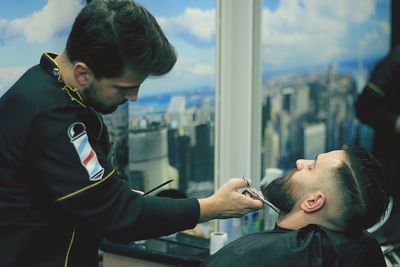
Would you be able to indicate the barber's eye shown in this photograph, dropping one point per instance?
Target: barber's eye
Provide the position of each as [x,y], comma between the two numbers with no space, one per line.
[309,167]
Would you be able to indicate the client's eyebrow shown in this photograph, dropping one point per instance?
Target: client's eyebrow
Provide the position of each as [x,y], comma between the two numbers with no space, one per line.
[315,161]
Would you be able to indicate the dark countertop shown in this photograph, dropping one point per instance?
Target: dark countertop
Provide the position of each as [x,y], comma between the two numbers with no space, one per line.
[178,249]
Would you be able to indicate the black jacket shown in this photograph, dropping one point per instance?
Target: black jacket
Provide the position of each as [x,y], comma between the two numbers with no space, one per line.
[59,194]
[311,246]
[379,106]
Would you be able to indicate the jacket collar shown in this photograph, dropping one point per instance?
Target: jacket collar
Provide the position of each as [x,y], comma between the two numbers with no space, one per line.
[47,61]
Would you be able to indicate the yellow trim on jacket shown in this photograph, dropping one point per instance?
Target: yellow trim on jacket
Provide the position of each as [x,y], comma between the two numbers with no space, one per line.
[376,89]
[69,247]
[85,188]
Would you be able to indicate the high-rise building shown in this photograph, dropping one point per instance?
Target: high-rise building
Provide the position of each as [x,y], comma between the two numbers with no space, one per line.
[270,147]
[203,160]
[300,103]
[314,139]
[176,112]
[180,154]
[118,129]
[148,152]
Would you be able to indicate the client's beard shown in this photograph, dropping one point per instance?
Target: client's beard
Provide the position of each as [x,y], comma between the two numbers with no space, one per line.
[279,192]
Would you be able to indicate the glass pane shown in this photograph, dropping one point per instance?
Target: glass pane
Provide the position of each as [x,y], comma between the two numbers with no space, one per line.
[26,32]
[316,59]
[171,125]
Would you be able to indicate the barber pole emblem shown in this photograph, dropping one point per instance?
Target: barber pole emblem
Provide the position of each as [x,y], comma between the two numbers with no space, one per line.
[77,135]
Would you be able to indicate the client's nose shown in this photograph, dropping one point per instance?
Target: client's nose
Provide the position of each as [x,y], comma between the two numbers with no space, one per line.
[299,164]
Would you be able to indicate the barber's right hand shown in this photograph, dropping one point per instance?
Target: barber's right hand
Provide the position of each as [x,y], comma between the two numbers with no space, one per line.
[228,202]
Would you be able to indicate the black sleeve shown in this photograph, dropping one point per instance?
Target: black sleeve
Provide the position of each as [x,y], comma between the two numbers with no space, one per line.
[373,104]
[66,156]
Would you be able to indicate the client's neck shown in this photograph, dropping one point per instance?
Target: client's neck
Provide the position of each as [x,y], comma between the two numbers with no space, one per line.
[291,221]
[299,219]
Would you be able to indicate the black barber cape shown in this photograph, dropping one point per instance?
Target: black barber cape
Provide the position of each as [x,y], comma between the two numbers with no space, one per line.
[310,246]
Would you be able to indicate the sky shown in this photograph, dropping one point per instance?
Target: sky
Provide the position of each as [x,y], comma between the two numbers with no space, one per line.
[312,32]
[294,33]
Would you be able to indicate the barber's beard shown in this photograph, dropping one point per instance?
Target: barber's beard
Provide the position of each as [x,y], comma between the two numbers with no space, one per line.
[280,193]
[92,100]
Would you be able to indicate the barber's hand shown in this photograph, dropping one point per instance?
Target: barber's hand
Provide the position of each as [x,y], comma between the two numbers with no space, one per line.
[228,202]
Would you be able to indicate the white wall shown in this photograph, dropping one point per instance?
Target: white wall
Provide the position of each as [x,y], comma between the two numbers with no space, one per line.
[238,90]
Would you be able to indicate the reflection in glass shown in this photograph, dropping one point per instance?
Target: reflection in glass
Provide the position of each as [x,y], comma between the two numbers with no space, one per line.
[316,59]
[171,126]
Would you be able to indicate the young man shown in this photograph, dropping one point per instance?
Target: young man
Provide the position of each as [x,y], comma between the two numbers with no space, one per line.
[59,194]
[325,204]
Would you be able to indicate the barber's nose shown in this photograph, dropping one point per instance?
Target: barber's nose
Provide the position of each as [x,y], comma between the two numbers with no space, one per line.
[132,95]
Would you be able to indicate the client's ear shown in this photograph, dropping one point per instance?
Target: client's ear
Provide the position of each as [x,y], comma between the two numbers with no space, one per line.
[313,202]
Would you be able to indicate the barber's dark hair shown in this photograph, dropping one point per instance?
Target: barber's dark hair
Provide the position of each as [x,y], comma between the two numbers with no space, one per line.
[361,180]
[109,35]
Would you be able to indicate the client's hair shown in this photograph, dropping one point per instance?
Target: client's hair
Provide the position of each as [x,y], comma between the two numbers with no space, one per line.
[362,187]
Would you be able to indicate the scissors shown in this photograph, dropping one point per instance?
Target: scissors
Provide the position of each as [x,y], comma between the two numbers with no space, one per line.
[254,194]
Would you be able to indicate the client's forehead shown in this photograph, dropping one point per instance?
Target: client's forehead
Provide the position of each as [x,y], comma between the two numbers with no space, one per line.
[332,158]
[337,154]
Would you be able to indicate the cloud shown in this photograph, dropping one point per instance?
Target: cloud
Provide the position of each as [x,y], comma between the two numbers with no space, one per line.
[190,71]
[195,22]
[372,42]
[3,32]
[56,16]
[350,11]
[203,70]
[8,75]
[191,67]
[313,31]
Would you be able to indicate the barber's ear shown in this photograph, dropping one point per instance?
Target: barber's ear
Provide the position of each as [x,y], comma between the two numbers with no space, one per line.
[82,73]
[313,202]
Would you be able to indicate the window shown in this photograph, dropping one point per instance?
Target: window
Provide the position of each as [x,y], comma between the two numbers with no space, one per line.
[26,32]
[171,125]
[316,59]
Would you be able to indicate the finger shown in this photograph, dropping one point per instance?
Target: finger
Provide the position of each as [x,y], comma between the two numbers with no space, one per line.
[247,193]
[237,183]
[251,202]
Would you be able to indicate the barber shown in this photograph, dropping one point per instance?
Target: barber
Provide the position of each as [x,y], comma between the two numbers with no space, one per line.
[59,194]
